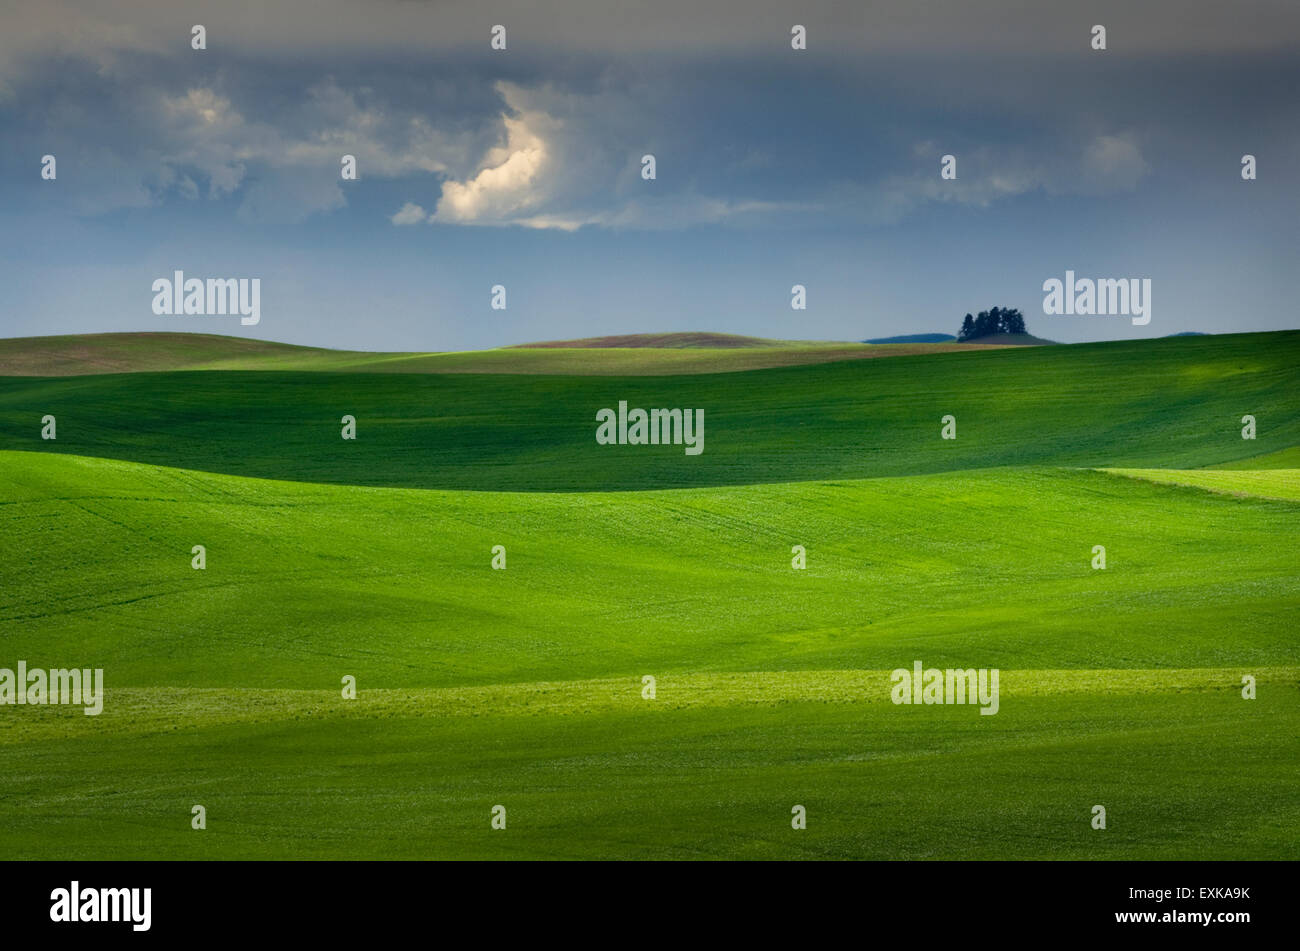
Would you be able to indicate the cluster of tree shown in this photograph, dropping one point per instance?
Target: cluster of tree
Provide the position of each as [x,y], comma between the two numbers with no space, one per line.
[999,320]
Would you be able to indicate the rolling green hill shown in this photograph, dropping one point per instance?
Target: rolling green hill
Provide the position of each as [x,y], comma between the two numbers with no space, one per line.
[523,687]
[1173,402]
[606,584]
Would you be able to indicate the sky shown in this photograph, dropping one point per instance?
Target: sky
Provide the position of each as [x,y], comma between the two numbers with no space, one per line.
[522,167]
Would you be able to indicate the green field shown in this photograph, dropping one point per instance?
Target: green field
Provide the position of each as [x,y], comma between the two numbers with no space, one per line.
[523,687]
[1175,402]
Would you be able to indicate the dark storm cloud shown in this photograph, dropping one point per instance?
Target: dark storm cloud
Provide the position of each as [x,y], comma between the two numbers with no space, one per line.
[741,141]
[94,28]
[548,133]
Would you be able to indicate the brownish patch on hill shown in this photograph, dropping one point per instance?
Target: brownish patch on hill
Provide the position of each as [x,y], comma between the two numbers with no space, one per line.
[691,340]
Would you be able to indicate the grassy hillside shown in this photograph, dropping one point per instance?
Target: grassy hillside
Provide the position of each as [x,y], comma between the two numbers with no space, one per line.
[644,361]
[1173,402]
[1266,483]
[82,354]
[609,583]
[522,686]
[1185,772]
[648,354]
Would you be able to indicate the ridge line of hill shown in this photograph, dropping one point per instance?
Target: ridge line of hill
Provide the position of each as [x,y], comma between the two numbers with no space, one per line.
[646,354]
[1175,403]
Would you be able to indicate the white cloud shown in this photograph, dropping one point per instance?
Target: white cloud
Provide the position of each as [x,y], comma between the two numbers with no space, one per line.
[567,160]
[409,214]
[514,178]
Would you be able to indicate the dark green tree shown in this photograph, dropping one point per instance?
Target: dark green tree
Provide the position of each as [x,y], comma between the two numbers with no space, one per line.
[996,320]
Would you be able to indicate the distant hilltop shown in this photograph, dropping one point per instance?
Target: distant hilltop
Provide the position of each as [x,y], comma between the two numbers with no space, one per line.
[704,340]
[644,354]
[989,340]
[913,338]
[662,354]
[687,340]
